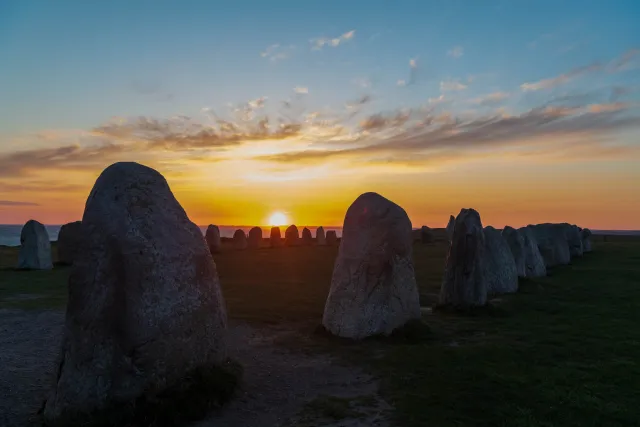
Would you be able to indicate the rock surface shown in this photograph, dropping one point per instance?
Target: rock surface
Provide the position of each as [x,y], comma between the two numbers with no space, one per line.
[69,238]
[145,308]
[320,237]
[255,238]
[500,271]
[574,239]
[586,239]
[533,261]
[463,285]
[291,236]
[240,240]
[307,238]
[426,235]
[332,238]
[275,238]
[552,243]
[212,236]
[515,240]
[373,287]
[35,247]
[450,227]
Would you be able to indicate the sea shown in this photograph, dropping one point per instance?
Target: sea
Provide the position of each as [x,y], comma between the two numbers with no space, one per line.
[10,233]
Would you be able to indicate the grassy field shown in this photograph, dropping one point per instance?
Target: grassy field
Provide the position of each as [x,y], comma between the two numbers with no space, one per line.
[564,351]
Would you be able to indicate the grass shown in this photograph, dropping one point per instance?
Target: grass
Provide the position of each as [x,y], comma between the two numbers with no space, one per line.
[563,351]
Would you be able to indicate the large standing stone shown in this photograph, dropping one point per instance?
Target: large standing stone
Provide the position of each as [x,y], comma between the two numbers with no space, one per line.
[515,240]
[373,288]
[500,270]
[552,243]
[255,237]
[240,240]
[574,239]
[275,238]
[212,236]
[291,236]
[307,238]
[69,238]
[426,236]
[320,238]
[35,247]
[145,309]
[332,238]
[463,284]
[586,239]
[534,263]
[450,227]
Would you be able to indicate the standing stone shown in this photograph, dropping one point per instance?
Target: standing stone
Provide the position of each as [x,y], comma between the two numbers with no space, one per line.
[275,238]
[373,288]
[239,240]
[320,238]
[426,236]
[552,243]
[291,236]
[255,237]
[69,239]
[500,271]
[35,247]
[307,238]
[332,238]
[586,239]
[515,240]
[463,284]
[450,227]
[574,239]
[212,236]
[534,263]
[145,310]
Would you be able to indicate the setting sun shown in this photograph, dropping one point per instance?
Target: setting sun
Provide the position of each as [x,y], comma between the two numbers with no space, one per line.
[277,219]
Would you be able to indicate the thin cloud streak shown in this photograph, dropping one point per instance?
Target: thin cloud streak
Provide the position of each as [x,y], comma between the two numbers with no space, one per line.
[322,42]
[14,203]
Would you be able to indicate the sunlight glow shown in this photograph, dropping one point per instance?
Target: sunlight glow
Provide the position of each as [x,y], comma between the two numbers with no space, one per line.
[278,219]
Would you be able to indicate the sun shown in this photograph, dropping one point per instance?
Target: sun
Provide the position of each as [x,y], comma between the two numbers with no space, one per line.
[277,219]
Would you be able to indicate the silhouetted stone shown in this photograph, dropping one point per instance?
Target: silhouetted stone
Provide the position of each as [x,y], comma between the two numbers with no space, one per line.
[239,240]
[373,287]
[307,238]
[320,237]
[574,239]
[450,226]
[500,270]
[212,236]
[586,239]
[275,238]
[69,238]
[35,247]
[291,236]
[464,285]
[145,309]
[255,237]
[515,240]
[552,243]
[426,236]
[533,261]
[332,238]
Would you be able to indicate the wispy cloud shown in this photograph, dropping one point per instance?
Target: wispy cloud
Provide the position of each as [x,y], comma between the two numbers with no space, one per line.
[277,52]
[561,79]
[456,52]
[401,83]
[490,99]
[627,61]
[322,42]
[452,85]
[301,90]
[14,203]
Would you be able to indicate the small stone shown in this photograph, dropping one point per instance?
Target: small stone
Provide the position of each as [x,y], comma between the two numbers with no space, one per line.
[69,238]
[291,236]
[255,238]
[212,237]
[239,240]
[35,247]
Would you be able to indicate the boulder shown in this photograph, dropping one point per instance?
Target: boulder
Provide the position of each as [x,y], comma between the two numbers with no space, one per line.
[426,236]
[275,238]
[255,238]
[500,271]
[515,240]
[332,238]
[320,238]
[586,239]
[69,238]
[35,247]
[552,243]
[145,311]
[291,236]
[307,238]
[240,240]
[463,285]
[212,237]
[373,287]
[450,227]
[574,239]
[533,261]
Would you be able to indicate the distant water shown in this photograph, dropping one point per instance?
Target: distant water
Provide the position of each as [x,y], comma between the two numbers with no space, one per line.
[10,234]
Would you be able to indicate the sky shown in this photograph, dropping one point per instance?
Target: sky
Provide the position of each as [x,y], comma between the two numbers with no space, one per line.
[526,110]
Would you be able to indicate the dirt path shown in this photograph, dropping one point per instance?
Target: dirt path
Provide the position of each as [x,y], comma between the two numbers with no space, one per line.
[278,383]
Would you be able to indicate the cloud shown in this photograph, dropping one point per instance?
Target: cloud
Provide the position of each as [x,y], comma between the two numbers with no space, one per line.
[561,79]
[401,83]
[627,61]
[13,203]
[452,85]
[363,82]
[490,99]
[301,90]
[322,42]
[277,52]
[456,52]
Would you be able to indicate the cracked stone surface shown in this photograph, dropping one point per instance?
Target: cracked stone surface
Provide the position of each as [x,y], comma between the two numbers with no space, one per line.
[500,270]
[533,261]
